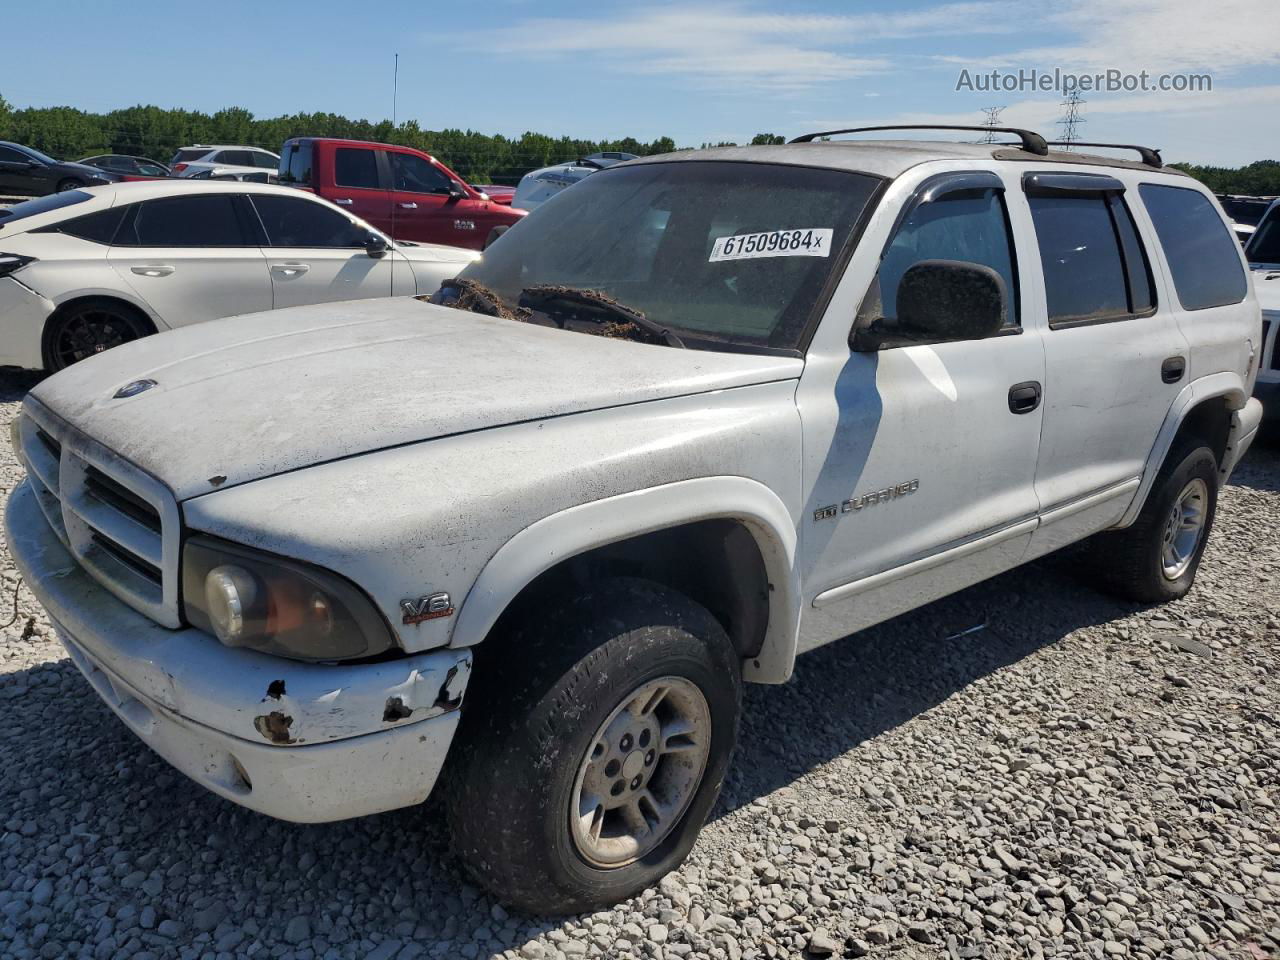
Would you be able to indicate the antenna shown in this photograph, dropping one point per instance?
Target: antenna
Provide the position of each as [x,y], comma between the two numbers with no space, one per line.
[395,93]
[1071,120]
[992,121]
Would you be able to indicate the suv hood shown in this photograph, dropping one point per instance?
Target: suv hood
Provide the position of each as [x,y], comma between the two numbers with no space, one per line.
[239,399]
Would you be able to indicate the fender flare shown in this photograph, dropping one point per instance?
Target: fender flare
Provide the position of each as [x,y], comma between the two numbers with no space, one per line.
[566,534]
[1228,385]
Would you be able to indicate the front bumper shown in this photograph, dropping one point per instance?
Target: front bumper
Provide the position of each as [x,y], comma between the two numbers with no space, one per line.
[23,313]
[298,741]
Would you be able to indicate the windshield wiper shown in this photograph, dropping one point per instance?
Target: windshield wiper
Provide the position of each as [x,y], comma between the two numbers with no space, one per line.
[601,303]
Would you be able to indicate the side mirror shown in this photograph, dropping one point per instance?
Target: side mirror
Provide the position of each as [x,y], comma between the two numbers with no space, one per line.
[939,301]
[376,246]
[456,192]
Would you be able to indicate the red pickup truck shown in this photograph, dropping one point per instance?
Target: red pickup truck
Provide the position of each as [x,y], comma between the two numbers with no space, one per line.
[404,192]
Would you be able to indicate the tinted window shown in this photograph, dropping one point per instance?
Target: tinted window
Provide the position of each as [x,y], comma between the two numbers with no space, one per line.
[188,155]
[208,221]
[726,254]
[54,201]
[1203,256]
[295,165]
[1264,245]
[99,227]
[413,174]
[1086,275]
[305,223]
[958,227]
[265,160]
[9,155]
[237,158]
[355,167]
[151,169]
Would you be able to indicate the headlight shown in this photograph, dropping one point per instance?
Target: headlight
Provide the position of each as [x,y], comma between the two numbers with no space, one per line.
[251,599]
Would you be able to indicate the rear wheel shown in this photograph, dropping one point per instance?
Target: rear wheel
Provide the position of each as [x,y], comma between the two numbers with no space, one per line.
[592,752]
[90,327]
[1156,559]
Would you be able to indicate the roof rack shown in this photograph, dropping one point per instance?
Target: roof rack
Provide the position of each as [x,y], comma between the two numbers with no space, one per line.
[1032,142]
[1150,156]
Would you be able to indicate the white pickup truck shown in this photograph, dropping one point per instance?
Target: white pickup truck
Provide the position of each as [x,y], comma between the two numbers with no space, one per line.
[525,543]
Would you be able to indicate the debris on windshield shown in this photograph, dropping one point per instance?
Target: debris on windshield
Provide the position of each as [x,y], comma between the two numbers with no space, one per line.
[477,298]
[624,323]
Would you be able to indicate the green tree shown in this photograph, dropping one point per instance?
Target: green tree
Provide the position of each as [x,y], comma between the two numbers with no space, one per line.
[767,139]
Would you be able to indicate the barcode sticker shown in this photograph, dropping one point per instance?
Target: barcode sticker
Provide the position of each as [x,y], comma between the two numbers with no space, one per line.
[773,243]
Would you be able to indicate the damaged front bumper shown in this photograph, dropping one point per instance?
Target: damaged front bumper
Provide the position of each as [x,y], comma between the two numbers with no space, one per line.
[298,741]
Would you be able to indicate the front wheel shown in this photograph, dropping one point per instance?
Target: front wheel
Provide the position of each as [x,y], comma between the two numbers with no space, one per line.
[71,183]
[591,754]
[87,328]
[1156,559]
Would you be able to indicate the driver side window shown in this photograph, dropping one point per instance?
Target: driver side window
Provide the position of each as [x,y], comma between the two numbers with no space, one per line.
[969,226]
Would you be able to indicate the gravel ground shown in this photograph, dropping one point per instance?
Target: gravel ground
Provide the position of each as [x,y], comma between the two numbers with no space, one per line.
[1075,778]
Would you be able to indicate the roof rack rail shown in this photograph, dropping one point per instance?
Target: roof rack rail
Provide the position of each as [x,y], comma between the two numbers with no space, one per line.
[1150,156]
[1032,142]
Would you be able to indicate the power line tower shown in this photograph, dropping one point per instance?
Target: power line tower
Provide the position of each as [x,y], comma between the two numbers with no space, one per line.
[1071,120]
[992,121]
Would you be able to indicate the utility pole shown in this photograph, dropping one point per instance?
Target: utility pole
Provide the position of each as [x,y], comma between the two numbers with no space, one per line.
[992,121]
[1072,119]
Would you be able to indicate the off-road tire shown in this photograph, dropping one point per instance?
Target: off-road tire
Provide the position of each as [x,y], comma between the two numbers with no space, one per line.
[536,701]
[1130,560]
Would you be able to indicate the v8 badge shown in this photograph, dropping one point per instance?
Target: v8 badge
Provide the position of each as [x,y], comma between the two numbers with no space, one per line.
[426,608]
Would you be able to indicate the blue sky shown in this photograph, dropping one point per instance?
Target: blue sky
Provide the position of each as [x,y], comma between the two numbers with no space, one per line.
[698,70]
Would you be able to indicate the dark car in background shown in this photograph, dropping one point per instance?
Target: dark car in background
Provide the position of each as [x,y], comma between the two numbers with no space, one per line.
[127,166]
[25,172]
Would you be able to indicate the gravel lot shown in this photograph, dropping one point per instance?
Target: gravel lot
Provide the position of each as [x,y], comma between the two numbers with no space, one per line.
[1076,778]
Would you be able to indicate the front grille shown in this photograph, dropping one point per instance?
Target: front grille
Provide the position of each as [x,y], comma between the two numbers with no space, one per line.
[119,523]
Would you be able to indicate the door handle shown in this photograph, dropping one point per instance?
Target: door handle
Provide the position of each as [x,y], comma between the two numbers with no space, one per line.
[1172,369]
[290,269]
[408,206]
[153,270]
[1024,397]
[344,202]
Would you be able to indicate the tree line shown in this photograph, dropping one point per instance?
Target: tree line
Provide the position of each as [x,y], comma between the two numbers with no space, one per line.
[155,132]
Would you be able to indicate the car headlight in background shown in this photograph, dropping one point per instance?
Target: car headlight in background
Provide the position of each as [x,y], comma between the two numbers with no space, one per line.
[247,598]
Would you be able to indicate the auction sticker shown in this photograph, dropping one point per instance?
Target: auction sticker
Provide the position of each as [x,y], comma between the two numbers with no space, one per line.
[773,243]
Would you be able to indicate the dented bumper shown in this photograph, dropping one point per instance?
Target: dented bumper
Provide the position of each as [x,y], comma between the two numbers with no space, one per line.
[299,741]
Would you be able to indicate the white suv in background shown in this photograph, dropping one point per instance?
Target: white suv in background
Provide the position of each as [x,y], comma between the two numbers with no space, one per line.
[222,158]
[85,270]
[1263,253]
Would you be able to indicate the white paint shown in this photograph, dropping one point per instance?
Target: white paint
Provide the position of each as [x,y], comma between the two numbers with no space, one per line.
[930,364]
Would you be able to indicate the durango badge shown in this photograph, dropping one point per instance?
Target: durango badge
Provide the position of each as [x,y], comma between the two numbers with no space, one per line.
[427,608]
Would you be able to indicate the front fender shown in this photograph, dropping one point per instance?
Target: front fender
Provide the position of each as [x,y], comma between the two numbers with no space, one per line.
[578,529]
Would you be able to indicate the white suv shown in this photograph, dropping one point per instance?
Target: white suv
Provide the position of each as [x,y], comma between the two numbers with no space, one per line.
[1263,253]
[223,160]
[732,405]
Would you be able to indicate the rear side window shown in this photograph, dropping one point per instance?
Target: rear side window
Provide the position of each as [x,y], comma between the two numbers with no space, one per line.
[208,221]
[188,155]
[355,167]
[235,158]
[1264,246]
[413,174]
[53,201]
[1094,265]
[291,222]
[265,160]
[1203,256]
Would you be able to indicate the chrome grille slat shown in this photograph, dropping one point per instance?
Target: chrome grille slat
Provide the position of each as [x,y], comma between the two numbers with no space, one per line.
[119,523]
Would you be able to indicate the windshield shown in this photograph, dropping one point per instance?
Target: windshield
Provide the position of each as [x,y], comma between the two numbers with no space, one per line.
[722,254]
[1264,245]
[53,201]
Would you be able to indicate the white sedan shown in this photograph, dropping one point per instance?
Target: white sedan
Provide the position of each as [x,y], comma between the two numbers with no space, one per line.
[84,270]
